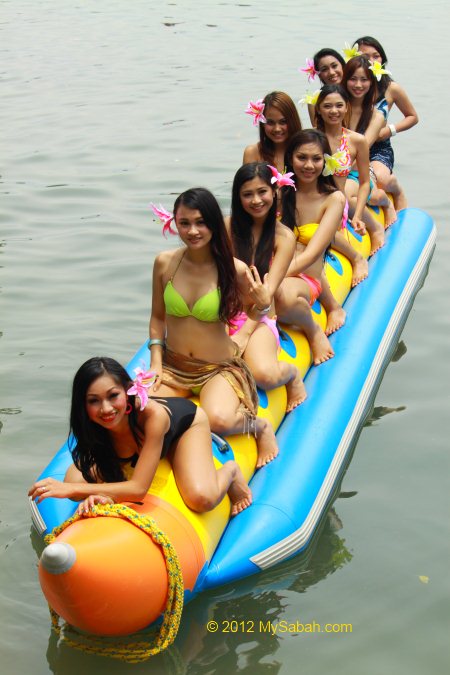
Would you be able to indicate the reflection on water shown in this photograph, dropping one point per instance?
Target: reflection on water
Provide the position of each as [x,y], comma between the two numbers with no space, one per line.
[380,411]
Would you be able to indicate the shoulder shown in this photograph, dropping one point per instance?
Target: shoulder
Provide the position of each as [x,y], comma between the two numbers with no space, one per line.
[154,417]
[164,259]
[251,153]
[394,90]
[335,199]
[357,139]
[240,267]
[283,233]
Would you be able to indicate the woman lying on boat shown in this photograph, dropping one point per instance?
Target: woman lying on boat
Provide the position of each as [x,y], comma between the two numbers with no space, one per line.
[389,93]
[119,438]
[197,290]
[267,247]
[361,85]
[278,121]
[314,213]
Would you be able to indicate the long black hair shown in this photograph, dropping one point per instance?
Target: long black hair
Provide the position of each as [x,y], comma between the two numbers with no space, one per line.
[241,221]
[201,199]
[326,90]
[369,99]
[286,106]
[325,184]
[327,51]
[94,453]
[385,80]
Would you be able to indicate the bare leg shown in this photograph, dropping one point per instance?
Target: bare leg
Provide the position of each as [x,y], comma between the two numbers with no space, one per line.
[380,198]
[389,183]
[336,314]
[360,266]
[373,227]
[221,404]
[261,356]
[201,485]
[293,308]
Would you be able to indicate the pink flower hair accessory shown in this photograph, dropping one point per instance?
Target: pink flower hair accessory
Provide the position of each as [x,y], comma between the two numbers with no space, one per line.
[310,70]
[256,109]
[165,217]
[282,179]
[141,384]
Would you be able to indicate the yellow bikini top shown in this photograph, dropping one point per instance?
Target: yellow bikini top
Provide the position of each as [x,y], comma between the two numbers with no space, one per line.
[205,308]
[304,233]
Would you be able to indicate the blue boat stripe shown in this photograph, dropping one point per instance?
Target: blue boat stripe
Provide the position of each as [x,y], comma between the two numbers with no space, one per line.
[290,545]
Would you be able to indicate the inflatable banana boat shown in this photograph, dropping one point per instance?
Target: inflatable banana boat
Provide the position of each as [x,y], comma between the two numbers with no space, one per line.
[106,576]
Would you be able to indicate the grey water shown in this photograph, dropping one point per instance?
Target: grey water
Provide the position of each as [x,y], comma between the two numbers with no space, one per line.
[107,106]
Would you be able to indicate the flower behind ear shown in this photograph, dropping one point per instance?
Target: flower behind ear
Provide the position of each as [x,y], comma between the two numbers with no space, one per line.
[350,52]
[256,109]
[141,384]
[310,70]
[379,70]
[165,217]
[281,178]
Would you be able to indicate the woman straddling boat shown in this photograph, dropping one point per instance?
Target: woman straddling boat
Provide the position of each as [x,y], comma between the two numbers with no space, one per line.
[119,437]
[278,121]
[197,290]
[348,148]
[389,93]
[365,119]
[314,213]
[267,247]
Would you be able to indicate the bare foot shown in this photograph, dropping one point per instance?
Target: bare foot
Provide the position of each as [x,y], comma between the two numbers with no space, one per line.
[335,320]
[390,214]
[296,392]
[266,442]
[320,346]
[239,493]
[376,240]
[360,270]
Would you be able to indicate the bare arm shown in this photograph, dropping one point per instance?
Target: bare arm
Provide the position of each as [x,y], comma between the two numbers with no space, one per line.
[75,487]
[362,164]
[375,125]
[157,328]
[284,252]
[251,154]
[400,98]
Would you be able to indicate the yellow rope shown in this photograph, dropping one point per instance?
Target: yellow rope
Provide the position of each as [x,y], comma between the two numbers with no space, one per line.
[133,652]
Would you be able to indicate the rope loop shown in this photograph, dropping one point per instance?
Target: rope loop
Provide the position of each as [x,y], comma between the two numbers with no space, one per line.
[132,652]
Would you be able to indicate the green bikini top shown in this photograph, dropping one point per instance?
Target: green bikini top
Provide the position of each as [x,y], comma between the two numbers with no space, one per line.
[205,308]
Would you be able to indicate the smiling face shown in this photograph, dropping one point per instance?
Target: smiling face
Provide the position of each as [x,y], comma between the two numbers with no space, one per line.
[307,162]
[106,402]
[276,126]
[256,198]
[371,52]
[358,84]
[332,109]
[330,70]
[191,226]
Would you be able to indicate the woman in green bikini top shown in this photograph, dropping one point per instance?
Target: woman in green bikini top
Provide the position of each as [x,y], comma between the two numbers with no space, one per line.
[197,290]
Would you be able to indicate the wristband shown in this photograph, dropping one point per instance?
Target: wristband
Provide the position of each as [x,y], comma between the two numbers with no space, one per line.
[155,341]
[393,129]
[264,310]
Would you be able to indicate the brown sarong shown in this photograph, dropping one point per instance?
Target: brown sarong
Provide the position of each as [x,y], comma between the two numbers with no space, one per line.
[184,372]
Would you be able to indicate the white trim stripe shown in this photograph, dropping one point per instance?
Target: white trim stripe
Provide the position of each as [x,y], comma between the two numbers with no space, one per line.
[300,537]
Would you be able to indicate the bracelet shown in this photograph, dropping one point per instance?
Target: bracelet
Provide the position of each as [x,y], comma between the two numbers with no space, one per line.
[155,341]
[264,310]
[393,129]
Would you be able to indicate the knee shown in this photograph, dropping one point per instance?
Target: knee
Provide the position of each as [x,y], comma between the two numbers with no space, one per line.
[199,501]
[219,421]
[268,378]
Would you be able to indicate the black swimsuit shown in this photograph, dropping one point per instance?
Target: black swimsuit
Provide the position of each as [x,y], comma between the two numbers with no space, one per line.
[181,414]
